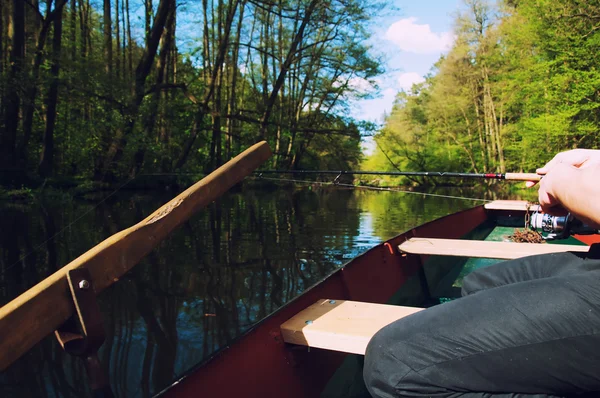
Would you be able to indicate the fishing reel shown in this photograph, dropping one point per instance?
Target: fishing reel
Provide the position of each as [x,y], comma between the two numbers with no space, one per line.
[558,227]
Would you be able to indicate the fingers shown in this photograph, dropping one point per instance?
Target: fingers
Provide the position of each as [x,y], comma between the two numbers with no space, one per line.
[546,201]
[552,185]
[575,157]
[530,184]
[548,166]
[545,197]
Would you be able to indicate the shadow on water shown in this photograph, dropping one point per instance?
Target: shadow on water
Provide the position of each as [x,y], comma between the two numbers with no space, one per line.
[225,269]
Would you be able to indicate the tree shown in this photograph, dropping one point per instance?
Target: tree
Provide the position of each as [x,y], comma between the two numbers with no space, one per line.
[47,157]
[12,102]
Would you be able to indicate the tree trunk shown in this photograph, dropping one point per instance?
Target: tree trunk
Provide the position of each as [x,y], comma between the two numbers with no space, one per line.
[291,55]
[211,86]
[216,151]
[231,107]
[47,158]
[480,131]
[123,42]
[166,162]
[129,45]
[31,91]
[118,36]
[264,39]
[73,28]
[206,69]
[115,151]
[279,137]
[150,122]
[148,14]
[497,142]
[1,53]
[84,26]
[216,156]
[12,103]
[108,56]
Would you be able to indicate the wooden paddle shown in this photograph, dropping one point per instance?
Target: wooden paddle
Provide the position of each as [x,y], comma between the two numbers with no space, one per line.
[46,306]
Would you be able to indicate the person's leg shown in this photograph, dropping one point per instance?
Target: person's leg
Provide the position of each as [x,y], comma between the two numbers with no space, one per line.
[528,268]
[534,337]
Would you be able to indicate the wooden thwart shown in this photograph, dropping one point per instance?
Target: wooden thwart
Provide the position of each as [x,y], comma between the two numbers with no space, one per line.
[482,249]
[521,205]
[341,325]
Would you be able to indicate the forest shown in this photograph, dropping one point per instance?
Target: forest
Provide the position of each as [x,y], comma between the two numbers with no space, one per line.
[106,90]
[521,83]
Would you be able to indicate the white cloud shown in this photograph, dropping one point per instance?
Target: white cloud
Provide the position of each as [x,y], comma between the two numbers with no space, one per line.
[368,146]
[360,84]
[406,80]
[419,39]
[389,92]
[374,109]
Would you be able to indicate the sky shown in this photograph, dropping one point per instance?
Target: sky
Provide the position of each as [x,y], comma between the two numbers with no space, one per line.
[411,40]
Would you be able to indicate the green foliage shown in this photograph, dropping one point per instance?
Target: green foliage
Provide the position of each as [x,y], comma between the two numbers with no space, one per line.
[198,108]
[22,194]
[520,84]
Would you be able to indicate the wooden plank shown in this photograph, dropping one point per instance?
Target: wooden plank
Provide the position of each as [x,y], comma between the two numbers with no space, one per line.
[341,325]
[522,205]
[40,310]
[482,249]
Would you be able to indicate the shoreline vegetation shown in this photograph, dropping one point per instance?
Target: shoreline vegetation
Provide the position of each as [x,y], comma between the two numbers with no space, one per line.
[81,189]
[520,83]
[90,95]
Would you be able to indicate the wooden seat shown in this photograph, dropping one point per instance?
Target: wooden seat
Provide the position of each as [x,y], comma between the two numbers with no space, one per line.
[341,325]
[519,205]
[482,249]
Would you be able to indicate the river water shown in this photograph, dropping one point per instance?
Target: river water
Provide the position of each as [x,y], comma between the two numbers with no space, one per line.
[226,268]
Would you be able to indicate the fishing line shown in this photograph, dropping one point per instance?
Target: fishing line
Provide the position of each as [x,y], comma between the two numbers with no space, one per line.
[367,187]
[20,260]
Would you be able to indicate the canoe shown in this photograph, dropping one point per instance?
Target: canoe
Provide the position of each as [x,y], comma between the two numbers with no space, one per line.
[312,346]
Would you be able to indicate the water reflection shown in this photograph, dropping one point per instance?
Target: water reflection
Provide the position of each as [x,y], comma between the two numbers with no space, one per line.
[225,269]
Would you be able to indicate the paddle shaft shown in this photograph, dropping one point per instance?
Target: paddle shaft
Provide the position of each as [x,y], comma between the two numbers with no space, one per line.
[495,176]
[43,308]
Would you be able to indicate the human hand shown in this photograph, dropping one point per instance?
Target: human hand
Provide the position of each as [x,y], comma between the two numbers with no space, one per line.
[551,186]
[578,158]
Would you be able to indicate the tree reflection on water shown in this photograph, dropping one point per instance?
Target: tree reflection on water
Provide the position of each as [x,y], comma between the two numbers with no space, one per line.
[225,269]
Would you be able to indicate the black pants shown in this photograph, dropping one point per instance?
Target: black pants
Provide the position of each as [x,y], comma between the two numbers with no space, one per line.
[523,328]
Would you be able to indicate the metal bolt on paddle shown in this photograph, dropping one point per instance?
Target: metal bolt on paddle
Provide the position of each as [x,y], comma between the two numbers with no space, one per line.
[83,334]
[84,284]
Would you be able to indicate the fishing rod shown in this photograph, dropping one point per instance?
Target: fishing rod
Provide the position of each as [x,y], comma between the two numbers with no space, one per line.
[493,176]
[548,226]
